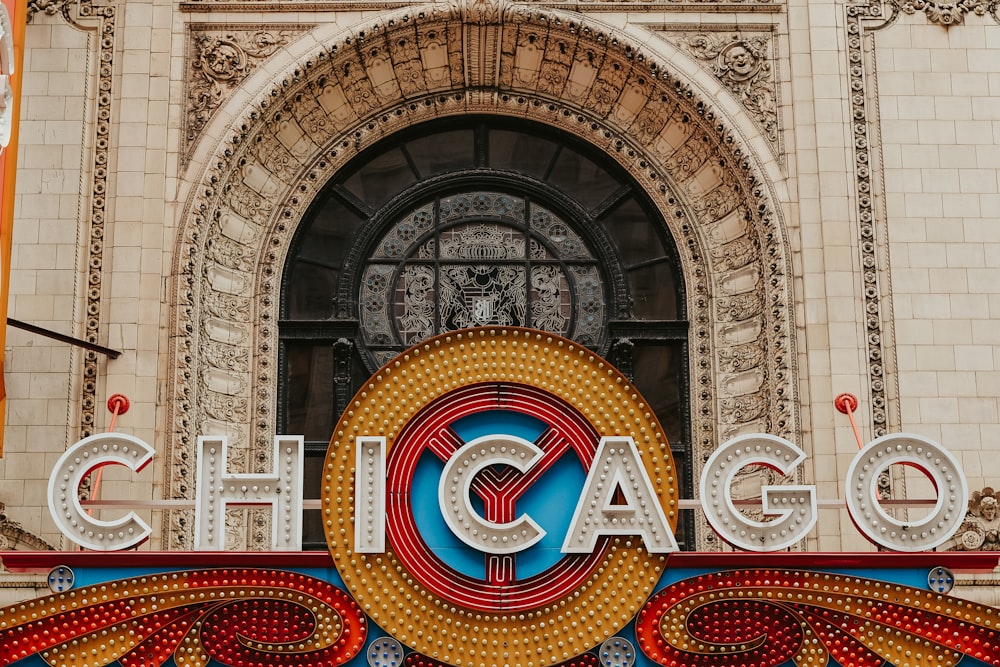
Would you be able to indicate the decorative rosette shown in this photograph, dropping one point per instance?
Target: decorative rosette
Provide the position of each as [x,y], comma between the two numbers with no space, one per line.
[767,617]
[241,618]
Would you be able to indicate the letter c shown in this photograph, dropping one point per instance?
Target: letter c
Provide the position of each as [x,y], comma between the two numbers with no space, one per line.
[456,485]
[70,470]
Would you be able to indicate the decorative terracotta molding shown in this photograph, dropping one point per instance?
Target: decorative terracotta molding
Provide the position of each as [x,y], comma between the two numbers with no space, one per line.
[50,7]
[13,537]
[220,58]
[981,529]
[743,60]
[947,13]
[739,6]
[105,18]
[871,226]
[435,61]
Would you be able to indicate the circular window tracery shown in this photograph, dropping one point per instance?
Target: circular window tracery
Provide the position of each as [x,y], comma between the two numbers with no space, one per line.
[475,259]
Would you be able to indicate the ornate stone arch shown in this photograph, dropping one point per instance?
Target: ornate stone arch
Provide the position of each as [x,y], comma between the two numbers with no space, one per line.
[556,67]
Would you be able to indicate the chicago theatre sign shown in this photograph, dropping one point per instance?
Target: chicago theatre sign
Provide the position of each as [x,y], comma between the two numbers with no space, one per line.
[504,497]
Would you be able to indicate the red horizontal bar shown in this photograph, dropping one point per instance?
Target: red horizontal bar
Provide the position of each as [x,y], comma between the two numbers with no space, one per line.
[43,561]
[956,561]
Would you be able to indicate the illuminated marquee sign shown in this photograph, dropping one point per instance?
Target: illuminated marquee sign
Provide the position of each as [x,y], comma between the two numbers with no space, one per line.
[568,400]
[494,430]
[503,497]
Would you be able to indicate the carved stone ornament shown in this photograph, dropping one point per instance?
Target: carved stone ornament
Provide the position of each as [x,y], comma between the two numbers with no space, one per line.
[589,5]
[742,61]
[13,537]
[50,7]
[219,60]
[315,113]
[981,529]
[947,13]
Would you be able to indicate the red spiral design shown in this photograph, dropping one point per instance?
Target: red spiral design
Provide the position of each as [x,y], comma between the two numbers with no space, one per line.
[242,618]
[767,617]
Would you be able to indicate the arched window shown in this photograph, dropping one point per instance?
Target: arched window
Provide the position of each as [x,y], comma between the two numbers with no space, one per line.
[470,222]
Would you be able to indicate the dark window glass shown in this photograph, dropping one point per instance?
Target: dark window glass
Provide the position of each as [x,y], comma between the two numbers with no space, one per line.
[319,256]
[469,260]
[309,390]
[685,523]
[523,153]
[312,294]
[658,376]
[477,221]
[332,227]
[313,536]
[380,179]
[442,153]
[654,294]
[634,235]
[582,179]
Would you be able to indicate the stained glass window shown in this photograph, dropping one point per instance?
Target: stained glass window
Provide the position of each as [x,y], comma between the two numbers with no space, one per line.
[474,259]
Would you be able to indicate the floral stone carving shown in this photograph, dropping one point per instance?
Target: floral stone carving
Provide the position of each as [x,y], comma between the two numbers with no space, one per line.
[219,60]
[13,537]
[947,13]
[742,62]
[50,7]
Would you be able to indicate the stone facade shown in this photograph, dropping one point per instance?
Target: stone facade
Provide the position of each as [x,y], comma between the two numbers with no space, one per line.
[828,172]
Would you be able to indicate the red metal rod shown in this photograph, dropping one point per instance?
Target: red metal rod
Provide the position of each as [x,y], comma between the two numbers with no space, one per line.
[847,404]
[119,405]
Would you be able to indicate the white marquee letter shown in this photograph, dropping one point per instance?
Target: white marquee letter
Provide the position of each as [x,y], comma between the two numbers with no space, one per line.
[64,500]
[218,488]
[456,504]
[369,496]
[6,70]
[793,506]
[618,466]
[934,461]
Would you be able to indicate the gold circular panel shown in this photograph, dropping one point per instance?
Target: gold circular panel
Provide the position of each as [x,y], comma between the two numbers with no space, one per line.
[598,608]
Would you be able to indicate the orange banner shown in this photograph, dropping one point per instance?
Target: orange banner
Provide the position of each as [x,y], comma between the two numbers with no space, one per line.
[11,61]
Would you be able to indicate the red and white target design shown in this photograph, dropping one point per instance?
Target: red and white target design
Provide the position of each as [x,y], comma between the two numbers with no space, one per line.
[499,491]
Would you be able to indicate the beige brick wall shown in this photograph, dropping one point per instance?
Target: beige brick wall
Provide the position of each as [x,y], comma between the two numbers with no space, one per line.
[941,149]
[55,162]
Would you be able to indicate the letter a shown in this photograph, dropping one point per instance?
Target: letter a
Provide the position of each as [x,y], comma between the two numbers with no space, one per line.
[618,466]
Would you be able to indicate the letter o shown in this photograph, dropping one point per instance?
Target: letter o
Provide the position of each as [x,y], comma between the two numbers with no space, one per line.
[861,488]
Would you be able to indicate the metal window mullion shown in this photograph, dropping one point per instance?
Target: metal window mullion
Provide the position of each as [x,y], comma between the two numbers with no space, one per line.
[611,201]
[410,162]
[481,146]
[436,212]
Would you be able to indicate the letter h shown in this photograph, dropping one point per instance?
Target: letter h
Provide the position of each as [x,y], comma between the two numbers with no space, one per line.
[217,488]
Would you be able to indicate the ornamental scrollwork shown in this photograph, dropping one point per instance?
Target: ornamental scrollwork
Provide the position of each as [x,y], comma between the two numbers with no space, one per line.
[220,60]
[13,536]
[947,13]
[742,62]
[49,7]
